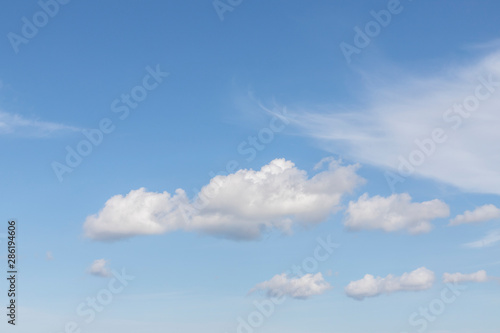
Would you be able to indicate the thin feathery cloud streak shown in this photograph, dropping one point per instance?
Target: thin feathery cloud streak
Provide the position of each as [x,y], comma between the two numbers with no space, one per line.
[299,288]
[242,205]
[385,130]
[370,286]
[394,213]
[14,124]
[490,239]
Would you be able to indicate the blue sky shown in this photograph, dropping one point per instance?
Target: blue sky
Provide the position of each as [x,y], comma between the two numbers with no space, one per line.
[260,93]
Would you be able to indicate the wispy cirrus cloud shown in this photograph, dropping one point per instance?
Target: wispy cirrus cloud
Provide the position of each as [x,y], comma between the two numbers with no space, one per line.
[440,125]
[20,126]
[490,239]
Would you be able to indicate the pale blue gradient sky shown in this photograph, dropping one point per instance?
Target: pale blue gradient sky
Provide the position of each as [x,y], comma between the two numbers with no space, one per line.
[283,53]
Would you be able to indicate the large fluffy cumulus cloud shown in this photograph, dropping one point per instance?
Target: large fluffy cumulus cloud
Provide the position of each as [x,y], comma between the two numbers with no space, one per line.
[239,206]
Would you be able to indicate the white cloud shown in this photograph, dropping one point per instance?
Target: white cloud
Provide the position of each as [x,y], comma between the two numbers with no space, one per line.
[490,239]
[14,124]
[370,286]
[480,214]
[99,268]
[301,287]
[479,276]
[242,205]
[385,126]
[394,213]
[49,256]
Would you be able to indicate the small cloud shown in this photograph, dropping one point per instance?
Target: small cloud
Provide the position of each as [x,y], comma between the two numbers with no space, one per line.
[479,276]
[49,256]
[480,214]
[490,239]
[370,286]
[299,288]
[394,213]
[99,268]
